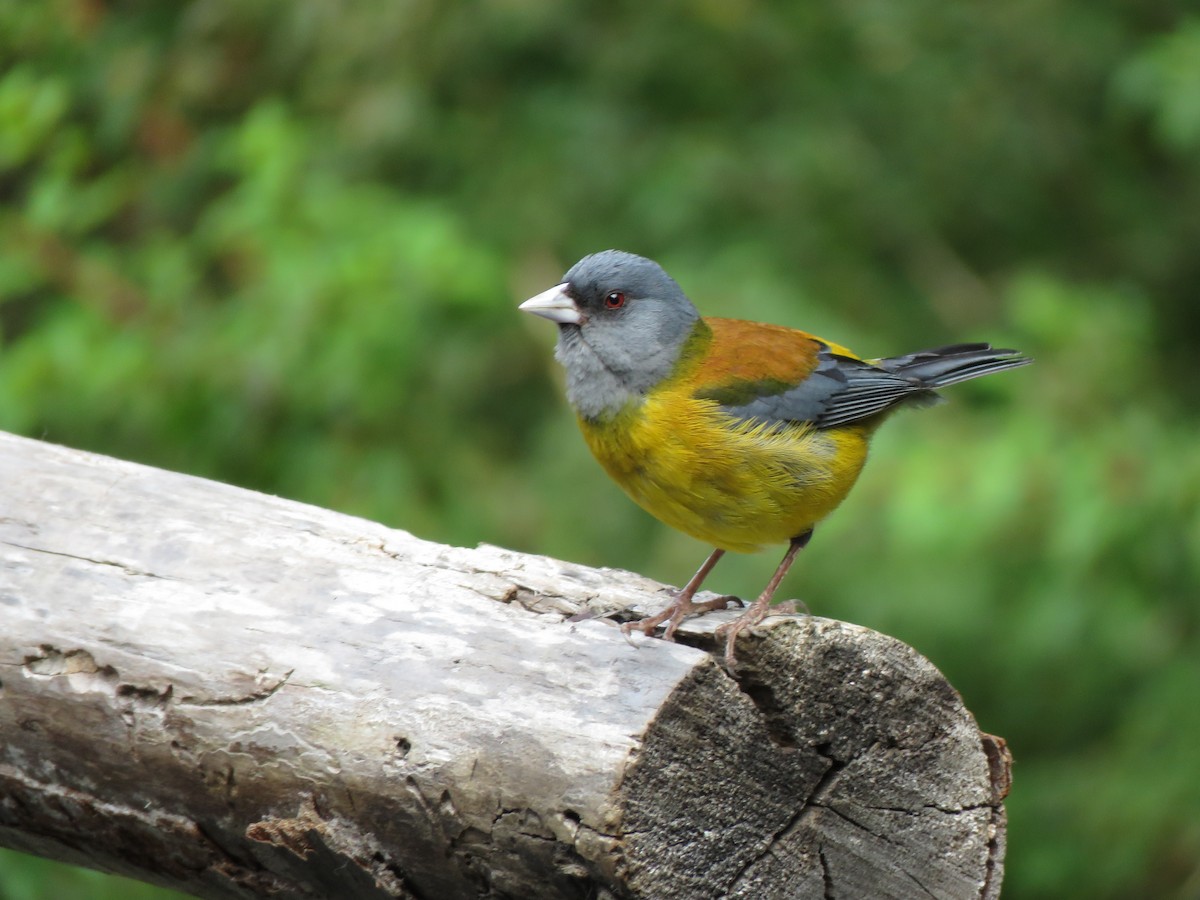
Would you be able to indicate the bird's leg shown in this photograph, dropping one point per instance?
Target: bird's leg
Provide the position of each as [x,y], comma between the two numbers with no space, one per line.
[682,606]
[759,608]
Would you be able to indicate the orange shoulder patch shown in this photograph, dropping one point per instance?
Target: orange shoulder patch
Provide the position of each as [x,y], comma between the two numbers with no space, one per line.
[752,352]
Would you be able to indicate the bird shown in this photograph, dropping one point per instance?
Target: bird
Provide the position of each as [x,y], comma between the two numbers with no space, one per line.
[741,434]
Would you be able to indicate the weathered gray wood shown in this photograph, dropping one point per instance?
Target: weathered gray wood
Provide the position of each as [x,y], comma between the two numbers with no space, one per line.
[240,696]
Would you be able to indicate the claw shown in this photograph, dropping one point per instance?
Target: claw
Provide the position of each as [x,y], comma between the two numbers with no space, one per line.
[674,614]
[682,606]
[730,630]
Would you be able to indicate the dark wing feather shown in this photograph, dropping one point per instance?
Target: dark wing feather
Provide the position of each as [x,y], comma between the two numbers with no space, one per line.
[842,389]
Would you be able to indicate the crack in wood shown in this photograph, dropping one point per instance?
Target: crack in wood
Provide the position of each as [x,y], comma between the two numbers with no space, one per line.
[849,819]
[53,662]
[84,673]
[258,696]
[778,719]
[841,814]
[124,567]
[945,810]
[826,874]
[312,832]
[816,796]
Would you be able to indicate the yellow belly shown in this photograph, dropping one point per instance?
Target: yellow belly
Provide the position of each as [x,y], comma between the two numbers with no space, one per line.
[729,484]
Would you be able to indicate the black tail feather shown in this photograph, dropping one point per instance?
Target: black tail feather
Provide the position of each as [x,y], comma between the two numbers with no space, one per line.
[943,366]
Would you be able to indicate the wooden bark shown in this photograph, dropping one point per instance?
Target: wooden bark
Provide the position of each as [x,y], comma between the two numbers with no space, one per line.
[240,696]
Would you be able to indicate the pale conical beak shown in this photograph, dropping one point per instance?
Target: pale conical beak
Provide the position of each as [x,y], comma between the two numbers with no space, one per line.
[554,305]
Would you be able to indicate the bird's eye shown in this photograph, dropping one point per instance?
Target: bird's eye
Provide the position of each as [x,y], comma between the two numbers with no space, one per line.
[614,300]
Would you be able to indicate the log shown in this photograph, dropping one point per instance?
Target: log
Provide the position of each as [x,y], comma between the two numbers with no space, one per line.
[237,696]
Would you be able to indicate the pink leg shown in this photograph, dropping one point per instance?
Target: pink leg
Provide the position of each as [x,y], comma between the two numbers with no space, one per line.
[759,608]
[682,606]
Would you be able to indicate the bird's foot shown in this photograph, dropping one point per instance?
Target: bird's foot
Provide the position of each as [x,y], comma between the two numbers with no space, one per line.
[751,617]
[676,612]
[680,611]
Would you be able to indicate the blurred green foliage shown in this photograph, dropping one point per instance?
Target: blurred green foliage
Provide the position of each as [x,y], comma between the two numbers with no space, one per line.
[29,878]
[280,244]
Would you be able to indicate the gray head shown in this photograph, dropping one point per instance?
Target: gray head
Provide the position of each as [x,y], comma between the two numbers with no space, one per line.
[622,321]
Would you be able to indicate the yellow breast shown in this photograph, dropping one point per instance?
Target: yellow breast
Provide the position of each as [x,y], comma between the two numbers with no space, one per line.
[730,484]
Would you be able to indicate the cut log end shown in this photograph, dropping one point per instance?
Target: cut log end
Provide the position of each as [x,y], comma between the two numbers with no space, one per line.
[838,763]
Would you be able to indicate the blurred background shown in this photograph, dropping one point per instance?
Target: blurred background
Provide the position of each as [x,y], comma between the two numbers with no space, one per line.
[281,243]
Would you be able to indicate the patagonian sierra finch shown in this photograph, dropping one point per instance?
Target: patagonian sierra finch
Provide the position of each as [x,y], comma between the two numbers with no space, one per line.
[737,433]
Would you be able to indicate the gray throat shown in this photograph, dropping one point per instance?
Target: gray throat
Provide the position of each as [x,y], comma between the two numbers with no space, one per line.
[594,390]
[600,386]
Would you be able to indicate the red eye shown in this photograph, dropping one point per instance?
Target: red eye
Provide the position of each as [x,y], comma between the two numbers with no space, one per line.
[615,300]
